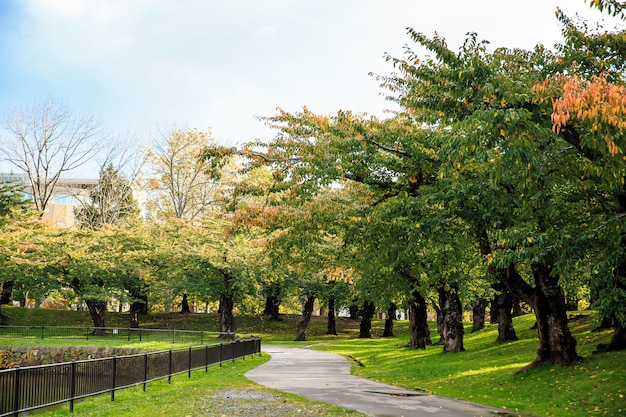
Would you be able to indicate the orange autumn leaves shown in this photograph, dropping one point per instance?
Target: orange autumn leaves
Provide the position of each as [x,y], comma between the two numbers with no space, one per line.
[597,102]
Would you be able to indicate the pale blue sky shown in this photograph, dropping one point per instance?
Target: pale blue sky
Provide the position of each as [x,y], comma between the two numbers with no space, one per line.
[138,65]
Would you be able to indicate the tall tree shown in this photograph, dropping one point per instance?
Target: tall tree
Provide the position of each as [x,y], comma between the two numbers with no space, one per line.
[186,166]
[47,141]
[111,202]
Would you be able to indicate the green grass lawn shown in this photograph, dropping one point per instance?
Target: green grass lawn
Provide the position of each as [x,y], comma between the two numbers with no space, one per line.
[485,373]
[222,391]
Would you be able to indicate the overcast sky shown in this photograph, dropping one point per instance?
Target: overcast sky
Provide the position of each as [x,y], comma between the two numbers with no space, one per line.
[140,65]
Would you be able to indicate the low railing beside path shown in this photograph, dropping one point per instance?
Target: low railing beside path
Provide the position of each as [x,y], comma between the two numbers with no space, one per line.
[23,389]
[116,333]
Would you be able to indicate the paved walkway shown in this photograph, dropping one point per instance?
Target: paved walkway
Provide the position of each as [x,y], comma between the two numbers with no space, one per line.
[326,377]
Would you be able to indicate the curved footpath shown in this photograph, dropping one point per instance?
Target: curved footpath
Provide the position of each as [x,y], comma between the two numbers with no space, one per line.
[326,377]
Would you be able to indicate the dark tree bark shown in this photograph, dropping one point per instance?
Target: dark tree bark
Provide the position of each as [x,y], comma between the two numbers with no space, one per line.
[6,297]
[307,312]
[617,342]
[493,311]
[272,301]
[517,308]
[365,329]
[272,306]
[503,305]
[556,344]
[391,316]
[354,312]
[478,314]
[184,305]
[332,322]
[418,322]
[226,306]
[137,307]
[452,319]
[97,310]
[605,324]
[139,304]
[439,315]
[227,318]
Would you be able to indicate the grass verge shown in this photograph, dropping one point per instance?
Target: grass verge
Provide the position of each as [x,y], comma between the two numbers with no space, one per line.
[222,391]
[486,372]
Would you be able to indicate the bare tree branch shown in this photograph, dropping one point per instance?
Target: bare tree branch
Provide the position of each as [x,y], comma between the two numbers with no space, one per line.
[48,141]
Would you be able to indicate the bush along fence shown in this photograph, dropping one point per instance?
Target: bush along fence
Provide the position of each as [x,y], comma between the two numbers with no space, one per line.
[23,389]
[112,333]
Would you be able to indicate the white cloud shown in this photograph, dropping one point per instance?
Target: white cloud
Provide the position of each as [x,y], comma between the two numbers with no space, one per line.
[207,63]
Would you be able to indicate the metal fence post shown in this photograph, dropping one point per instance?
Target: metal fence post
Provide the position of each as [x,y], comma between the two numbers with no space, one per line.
[233,345]
[206,358]
[221,352]
[114,381]
[16,392]
[43,328]
[169,372]
[72,386]
[189,363]
[139,335]
[145,370]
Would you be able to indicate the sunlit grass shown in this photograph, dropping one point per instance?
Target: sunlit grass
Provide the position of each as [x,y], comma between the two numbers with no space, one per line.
[487,372]
[222,391]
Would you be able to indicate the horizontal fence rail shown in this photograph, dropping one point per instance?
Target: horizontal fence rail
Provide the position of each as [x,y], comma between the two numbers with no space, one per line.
[113,333]
[23,389]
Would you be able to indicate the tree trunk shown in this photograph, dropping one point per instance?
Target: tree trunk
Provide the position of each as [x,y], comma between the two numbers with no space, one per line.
[6,297]
[272,306]
[452,319]
[556,344]
[227,318]
[354,312]
[439,323]
[184,305]
[97,309]
[478,314]
[272,293]
[365,328]
[138,306]
[307,312]
[332,322]
[418,322]
[618,341]
[391,316]
[517,308]
[493,311]
[503,306]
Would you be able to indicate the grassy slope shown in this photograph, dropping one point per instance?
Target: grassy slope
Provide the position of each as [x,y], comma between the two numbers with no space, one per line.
[484,373]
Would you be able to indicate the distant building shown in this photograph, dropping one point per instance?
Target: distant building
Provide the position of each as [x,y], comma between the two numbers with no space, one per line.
[68,194]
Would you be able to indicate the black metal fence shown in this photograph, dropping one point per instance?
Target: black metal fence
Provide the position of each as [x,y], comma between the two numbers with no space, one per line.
[24,389]
[113,333]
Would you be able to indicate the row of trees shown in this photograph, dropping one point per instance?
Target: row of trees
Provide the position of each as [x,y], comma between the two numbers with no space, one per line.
[502,176]
[504,169]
